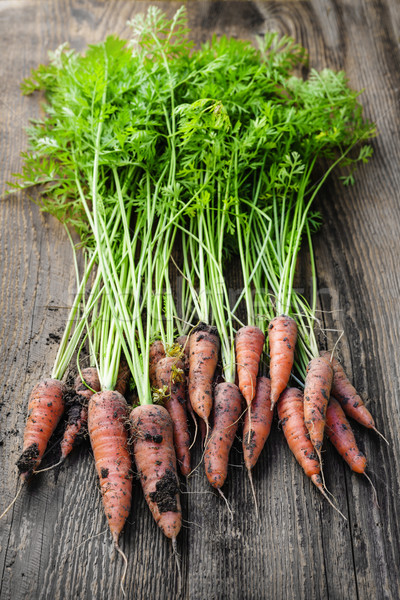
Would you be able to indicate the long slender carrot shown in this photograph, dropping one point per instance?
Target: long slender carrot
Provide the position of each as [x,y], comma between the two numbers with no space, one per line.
[257,425]
[45,408]
[183,341]
[282,334]
[155,459]
[170,374]
[346,394]
[317,389]
[249,344]
[339,432]
[204,348]
[157,352]
[107,416]
[291,416]
[226,412]
[78,411]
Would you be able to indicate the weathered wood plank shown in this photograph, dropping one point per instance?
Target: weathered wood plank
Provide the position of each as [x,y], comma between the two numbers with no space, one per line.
[54,542]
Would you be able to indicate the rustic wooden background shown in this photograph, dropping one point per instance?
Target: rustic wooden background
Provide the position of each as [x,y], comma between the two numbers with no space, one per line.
[54,541]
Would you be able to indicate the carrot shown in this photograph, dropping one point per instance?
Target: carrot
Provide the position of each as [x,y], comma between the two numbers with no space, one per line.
[257,425]
[226,412]
[107,416]
[249,344]
[78,411]
[346,394]
[282,334]
[170,373]
[342,437]
[157,352]
[183,341]
[155,459]
[291,416]
[203,359]
[45,408]
[317,390]
[123,377]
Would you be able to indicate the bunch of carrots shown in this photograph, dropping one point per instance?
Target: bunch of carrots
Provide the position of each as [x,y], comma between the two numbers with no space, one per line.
[170,162]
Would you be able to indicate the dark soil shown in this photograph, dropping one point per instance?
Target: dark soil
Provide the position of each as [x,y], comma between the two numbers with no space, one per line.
[165,494]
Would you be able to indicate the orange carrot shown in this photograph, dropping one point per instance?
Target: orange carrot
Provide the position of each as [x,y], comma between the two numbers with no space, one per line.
[347,395]
[78,411]
[226,412]
[123,377]
[107,416]
[249,344]
[317,389]
[157,352]
[342,437]
[291,417]
[257,425]
[282,334]
[183,341]
[204,348]
[170,373]
[45,408]
[155,459]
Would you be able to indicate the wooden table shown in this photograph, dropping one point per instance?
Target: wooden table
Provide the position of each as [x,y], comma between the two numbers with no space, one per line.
[54,541]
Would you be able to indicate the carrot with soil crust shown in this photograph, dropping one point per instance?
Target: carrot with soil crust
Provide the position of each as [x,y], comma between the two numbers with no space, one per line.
[203,359]
[45,408]
[291,417]
[226,413]
[107,416]
[347,396]
[170,375]
[249,344]
[152,432]
[339,432]
[257,425]
[317,389]
[282,335]
[78,412]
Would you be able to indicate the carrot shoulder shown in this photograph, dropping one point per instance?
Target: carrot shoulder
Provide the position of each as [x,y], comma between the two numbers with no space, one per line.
[157,352]
[317,389]
[346,394]
[226,413]
[170,374]
[339,432]
[249,344]
[107,418]
[45,408]
[282,335]
[78,411]
[203,359]
[152,432]
[257,423]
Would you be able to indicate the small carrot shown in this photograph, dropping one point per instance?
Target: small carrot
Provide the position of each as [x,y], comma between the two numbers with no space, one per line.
[226,413]
[346,394]
[282,335]
[317,389]
[155,459]
[123,377]
[291,417]
[157,352]
[78,411]
[45,408]
[170,376]
[183,341]
[339,432]
[204,348]
[257,425]
[107,416]
[249,344]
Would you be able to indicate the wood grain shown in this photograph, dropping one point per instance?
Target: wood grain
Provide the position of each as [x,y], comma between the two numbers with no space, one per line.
[54,542]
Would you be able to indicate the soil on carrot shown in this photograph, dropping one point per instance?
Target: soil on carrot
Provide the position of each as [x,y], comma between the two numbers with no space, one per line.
[206,328]
[165,493]
[27,460]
